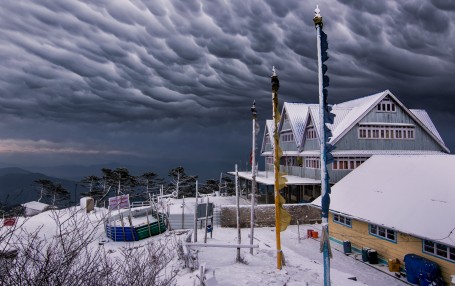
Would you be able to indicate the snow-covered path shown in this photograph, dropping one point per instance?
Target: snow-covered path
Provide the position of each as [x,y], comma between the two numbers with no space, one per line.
[303,262]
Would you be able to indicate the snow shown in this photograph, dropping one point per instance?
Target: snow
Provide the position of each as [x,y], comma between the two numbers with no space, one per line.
[34,205]
[423,116]
[408,193]
[347,115]
[267,178]
[303,260]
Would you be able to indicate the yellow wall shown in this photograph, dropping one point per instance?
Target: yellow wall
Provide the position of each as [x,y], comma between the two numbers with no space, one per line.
[359,237]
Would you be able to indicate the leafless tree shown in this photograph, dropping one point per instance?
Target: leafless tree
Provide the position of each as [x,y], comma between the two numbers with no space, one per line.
[73,255]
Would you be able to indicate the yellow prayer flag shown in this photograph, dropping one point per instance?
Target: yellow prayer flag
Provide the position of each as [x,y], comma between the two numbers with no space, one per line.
[285,216]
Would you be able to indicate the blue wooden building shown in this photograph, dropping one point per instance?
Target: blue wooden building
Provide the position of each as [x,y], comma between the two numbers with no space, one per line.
[378,124]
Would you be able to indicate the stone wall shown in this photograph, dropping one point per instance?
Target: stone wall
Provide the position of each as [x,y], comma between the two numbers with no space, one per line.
[265,215]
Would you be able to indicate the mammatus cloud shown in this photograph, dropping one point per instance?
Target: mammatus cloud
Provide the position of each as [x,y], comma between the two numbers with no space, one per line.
[143,75]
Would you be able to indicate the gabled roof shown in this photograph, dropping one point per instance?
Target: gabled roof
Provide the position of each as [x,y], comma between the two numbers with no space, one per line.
[359,108]
[409,193]
[298,116]
[347,115]
[362,106]
[269,128]
[422,115]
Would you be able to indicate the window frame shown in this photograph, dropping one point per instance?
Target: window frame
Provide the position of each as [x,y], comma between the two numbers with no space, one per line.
[434,248]
[386,132]
[342,219]
[376,230]
[386,106]
[312,162]
[311,133]
[347,163]
[287,137]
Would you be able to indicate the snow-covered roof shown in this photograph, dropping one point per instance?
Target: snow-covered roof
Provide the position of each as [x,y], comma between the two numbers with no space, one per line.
[34,205]
[359,108]
[269,128]
[267,178]
[413,194]
[298,116]
[347,115]
[368,153]
[422,115]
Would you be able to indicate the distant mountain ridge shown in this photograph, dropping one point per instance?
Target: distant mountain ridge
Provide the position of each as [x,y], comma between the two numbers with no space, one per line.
[18,186]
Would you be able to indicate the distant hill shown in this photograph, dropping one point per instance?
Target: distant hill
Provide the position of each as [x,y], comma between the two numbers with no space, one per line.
[18,186]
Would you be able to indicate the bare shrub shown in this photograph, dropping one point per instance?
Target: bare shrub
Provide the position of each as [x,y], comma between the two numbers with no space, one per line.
[73,256]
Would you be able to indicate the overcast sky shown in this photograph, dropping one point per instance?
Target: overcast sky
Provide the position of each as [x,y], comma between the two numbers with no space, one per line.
[142,82]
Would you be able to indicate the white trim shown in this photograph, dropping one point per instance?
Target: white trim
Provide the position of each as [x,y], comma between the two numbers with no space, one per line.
[387,124]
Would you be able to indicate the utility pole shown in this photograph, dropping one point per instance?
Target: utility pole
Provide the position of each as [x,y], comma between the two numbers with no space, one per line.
[253,174]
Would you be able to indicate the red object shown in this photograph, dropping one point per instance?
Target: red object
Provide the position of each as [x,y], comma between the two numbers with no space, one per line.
[309,233]
[9,221]
[315,234]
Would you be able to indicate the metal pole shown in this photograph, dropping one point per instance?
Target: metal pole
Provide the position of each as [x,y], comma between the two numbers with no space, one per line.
[239,240]
[275,87]
[195,214]
[324,182]
[183,212]
[206,218]
[253,174]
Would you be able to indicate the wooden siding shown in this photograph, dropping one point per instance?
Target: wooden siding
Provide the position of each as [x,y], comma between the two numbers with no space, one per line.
[359,237]
[422,141]
[268,147]
[312,144]
[336,175]
[288,146]
[286,125]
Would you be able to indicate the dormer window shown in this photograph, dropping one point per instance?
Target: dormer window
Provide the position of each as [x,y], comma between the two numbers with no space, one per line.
[267,139]
[386,105]
[287,137]
[310,133]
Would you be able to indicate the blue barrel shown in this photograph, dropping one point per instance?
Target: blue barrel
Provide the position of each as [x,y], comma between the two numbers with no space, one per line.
[365,254]
[420,270]
[347,247]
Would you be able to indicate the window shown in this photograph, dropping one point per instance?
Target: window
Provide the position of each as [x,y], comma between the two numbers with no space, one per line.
[383,232]
[347,163]
[311,133]
[386,105]
[377,131]
[269,160]
[440,250]
[312,163]
[267,139]
[344,220]
[287,137]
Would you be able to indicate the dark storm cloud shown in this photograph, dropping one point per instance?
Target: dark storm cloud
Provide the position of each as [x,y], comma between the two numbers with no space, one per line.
[116,76]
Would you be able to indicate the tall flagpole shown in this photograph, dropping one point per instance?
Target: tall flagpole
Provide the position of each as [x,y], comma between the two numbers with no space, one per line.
[253,174]
[324,117]
[276,158]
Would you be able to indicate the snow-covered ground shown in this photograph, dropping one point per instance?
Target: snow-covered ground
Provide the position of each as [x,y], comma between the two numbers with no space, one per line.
[303,259]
